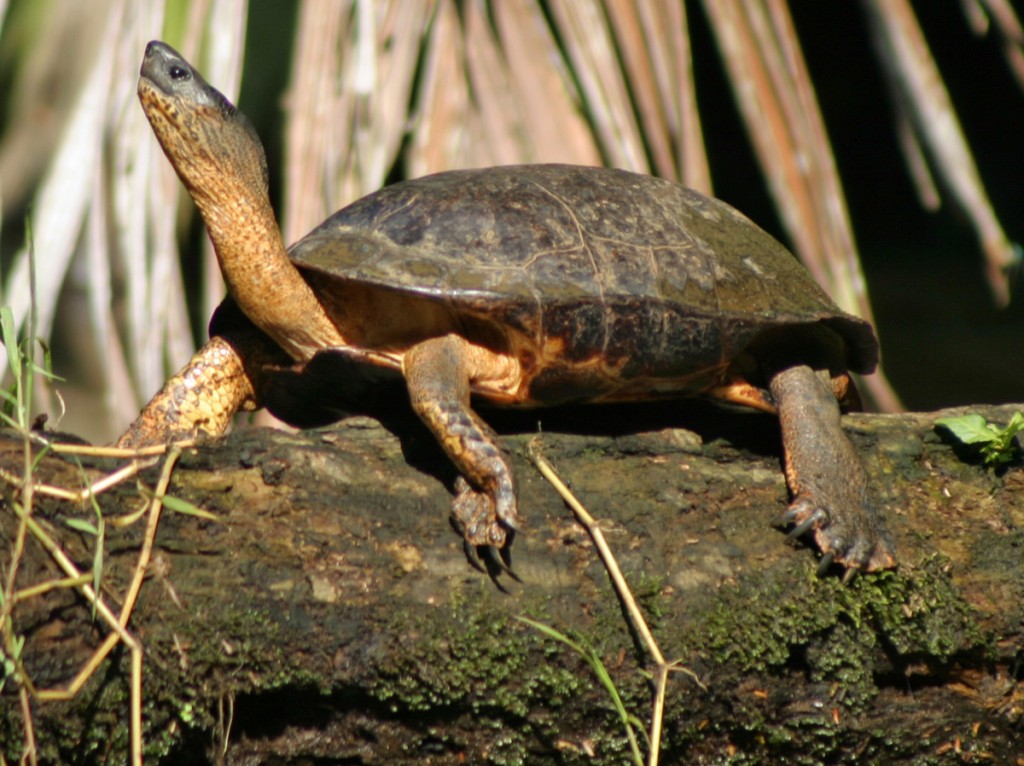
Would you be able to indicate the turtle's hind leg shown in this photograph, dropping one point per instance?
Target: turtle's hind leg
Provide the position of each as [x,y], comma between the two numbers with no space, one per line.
[831,496]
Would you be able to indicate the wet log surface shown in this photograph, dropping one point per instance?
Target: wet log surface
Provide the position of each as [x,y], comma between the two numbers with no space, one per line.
[330,615]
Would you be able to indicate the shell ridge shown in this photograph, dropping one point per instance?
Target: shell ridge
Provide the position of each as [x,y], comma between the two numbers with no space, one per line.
[584,242]
[655,267]
[384,217]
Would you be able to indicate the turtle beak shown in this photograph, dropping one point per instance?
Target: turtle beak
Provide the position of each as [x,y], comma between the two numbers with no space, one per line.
[162,65]
[166,71]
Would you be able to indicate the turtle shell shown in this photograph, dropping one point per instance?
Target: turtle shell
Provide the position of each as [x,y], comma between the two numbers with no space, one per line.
[603,284]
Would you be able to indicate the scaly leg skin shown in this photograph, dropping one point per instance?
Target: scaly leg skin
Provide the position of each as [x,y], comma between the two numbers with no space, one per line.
[438,374]
[202,397]
[831,496]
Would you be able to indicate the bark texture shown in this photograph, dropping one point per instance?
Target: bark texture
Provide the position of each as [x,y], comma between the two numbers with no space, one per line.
[330,615]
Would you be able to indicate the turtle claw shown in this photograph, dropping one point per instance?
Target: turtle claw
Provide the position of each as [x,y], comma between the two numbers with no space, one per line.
[473,556]
[817,519]
[841,540]
[828,559]
[487,534]
[497,561]
[492,561]
[826,563]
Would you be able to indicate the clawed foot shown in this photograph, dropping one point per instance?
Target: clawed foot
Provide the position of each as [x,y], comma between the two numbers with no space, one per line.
[487,526]
[483,518]
[853,544]
[490,560]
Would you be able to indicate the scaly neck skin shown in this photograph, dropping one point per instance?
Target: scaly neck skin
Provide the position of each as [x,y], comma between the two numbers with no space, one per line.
[258,273]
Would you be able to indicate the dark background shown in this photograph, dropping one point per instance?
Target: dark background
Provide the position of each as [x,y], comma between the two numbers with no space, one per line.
[943,340]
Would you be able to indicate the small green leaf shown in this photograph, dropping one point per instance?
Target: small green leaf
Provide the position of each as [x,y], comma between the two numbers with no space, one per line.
[82,526]
[176,504]
[1015,425]
[184,506]
[970,429]
[9,333]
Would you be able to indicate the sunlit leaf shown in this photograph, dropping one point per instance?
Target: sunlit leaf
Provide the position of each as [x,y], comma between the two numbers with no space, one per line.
[970,429]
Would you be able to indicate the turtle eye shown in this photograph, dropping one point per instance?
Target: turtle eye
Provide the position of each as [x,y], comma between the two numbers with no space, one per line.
[179,72]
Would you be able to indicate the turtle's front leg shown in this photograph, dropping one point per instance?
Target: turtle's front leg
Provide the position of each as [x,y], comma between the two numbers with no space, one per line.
[202,397]
[831,496]
[438,373]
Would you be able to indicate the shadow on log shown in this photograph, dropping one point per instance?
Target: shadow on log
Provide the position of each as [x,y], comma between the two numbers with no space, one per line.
[329,615]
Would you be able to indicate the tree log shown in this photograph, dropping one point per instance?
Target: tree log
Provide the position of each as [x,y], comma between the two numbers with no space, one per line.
[330,615]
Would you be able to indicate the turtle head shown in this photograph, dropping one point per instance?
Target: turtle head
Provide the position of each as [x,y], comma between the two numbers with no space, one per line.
[220,160]
[212,146]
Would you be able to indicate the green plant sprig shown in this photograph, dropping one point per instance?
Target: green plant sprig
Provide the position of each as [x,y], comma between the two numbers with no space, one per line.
[996,445]
[630,723]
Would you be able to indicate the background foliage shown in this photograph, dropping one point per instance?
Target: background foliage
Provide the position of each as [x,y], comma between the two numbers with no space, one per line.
[797,113]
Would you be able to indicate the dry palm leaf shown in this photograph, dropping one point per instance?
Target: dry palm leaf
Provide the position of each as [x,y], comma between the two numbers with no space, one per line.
[776,98]
[929,118]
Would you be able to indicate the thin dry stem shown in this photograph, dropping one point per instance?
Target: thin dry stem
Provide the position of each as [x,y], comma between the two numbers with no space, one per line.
[6,622]
[147,543]
[30,735]
[658,711]
[136,708]
[1009,27]
[85,450]
[111,480]
[625,594]
[45,587]
[129,600]
[18,549]
[607,557]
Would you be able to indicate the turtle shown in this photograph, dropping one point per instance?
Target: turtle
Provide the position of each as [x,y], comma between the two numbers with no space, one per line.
[515,286]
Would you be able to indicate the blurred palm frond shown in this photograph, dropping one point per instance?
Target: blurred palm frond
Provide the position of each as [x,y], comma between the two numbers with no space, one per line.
[385,88]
